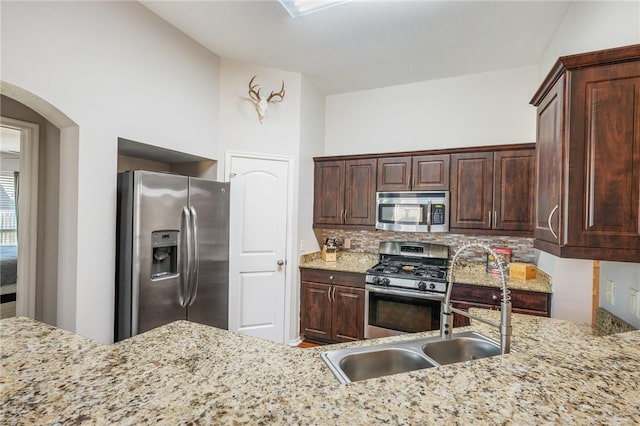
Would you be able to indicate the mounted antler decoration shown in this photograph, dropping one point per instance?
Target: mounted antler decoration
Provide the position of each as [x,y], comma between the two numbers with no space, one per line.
[262,105]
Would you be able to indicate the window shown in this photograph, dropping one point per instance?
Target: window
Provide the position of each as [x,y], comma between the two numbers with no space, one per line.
[8,216]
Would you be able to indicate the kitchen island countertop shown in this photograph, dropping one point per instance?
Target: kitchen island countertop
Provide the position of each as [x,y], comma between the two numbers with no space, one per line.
[189,373]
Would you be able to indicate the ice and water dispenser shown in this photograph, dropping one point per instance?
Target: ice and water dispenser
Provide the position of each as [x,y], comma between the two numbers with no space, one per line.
[164,261]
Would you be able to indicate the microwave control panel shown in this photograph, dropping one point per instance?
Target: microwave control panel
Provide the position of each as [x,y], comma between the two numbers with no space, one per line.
[437,214]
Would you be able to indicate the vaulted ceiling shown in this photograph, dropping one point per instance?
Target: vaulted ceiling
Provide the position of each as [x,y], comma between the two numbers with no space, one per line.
[367,44]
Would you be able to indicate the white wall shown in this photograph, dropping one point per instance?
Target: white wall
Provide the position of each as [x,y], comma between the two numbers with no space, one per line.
[240,128]
[312,120]
[471,110]
[593,25]
[626,276]
[572,287]
[311,145]
[116,70]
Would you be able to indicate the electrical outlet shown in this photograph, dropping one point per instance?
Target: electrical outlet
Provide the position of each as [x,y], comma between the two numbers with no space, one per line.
[609,292]
[302,246]
[347,243]
[633,302]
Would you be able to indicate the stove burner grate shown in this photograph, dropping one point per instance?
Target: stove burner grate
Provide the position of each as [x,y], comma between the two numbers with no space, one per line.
[410,269]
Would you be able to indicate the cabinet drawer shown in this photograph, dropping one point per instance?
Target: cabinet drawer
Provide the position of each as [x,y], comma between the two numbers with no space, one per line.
[349,279]
[523,301]
[476,294]
[530,301]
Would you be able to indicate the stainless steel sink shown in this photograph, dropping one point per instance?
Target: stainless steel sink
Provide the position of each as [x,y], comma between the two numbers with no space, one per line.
[383,362]
[361,363]
[460,349]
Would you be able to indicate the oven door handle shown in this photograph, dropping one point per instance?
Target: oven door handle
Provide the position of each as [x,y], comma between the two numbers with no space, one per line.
[427,296]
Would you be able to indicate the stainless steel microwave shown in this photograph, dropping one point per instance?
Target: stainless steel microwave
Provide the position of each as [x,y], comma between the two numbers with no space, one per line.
[413,211]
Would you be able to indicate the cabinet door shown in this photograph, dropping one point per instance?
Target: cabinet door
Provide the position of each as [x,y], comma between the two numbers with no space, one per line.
[347,314]
[513,190]
[360,192]
[604,156]
[315,310]
[328,192]
[471,190]
[549,166]
[431,172]
[394,174]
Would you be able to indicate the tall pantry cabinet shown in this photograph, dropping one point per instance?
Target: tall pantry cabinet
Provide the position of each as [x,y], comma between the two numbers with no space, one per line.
[588,157]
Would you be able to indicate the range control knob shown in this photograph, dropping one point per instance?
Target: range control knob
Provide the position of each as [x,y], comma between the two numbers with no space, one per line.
[384,281]
[432,286]
[422,285]
[375,280]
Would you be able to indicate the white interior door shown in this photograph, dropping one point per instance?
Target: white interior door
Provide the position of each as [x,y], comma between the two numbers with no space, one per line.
[257,246]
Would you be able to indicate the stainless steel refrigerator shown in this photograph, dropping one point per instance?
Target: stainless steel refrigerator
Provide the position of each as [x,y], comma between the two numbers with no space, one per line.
[172,251]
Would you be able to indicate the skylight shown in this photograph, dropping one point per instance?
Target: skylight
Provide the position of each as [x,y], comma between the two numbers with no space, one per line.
[298,8]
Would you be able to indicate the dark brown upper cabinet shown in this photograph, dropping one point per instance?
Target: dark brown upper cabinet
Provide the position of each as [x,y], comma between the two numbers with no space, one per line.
[414,173]
[513,190]
[344,192]
[588,157]
[493,191]
[471,190]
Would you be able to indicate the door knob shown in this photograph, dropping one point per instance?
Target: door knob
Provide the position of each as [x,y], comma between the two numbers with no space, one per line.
[280,262]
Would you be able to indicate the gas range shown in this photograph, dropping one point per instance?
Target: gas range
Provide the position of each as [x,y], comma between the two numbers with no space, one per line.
[412,266]
[405,290]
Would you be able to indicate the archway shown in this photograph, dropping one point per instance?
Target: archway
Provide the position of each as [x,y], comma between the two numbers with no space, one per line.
[67,200]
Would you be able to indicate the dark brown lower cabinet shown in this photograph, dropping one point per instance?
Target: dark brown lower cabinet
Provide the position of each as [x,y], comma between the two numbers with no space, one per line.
[331,306]
[465,296]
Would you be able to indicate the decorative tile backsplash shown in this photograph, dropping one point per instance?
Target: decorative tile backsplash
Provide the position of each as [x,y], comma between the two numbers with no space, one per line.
[367,242]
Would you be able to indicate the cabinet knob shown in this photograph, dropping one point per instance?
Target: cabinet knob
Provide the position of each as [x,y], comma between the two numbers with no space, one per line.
[280,262]
[494,297]
[331,277]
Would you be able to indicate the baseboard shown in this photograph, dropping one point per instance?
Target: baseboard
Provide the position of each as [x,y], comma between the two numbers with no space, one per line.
[295,342]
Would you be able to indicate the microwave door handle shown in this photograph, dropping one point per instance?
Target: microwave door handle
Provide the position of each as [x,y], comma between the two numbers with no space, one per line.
[429,215]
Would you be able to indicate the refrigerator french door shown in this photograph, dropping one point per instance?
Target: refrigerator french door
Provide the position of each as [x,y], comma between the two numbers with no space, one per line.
[172,251]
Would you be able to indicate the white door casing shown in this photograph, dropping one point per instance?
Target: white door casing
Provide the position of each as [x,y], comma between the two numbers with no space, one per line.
[28,215]
[260,198]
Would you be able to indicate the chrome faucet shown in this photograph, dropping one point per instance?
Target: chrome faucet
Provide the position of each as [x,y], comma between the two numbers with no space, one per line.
[446,323]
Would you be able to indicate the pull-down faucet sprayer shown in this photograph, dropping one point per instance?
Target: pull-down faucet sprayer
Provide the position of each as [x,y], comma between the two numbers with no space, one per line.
[446,327]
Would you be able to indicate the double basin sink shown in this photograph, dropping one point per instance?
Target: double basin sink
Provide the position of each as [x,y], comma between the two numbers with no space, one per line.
[361,363]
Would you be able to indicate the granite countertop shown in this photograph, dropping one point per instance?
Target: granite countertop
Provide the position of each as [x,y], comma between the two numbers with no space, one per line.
[473,273]
[189,373]
[345,261]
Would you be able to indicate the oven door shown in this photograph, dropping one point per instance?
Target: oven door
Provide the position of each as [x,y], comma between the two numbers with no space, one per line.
[390,312]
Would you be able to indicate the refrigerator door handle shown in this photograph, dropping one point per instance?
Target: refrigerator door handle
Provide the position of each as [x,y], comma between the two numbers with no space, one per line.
[185,256]
[195,259]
